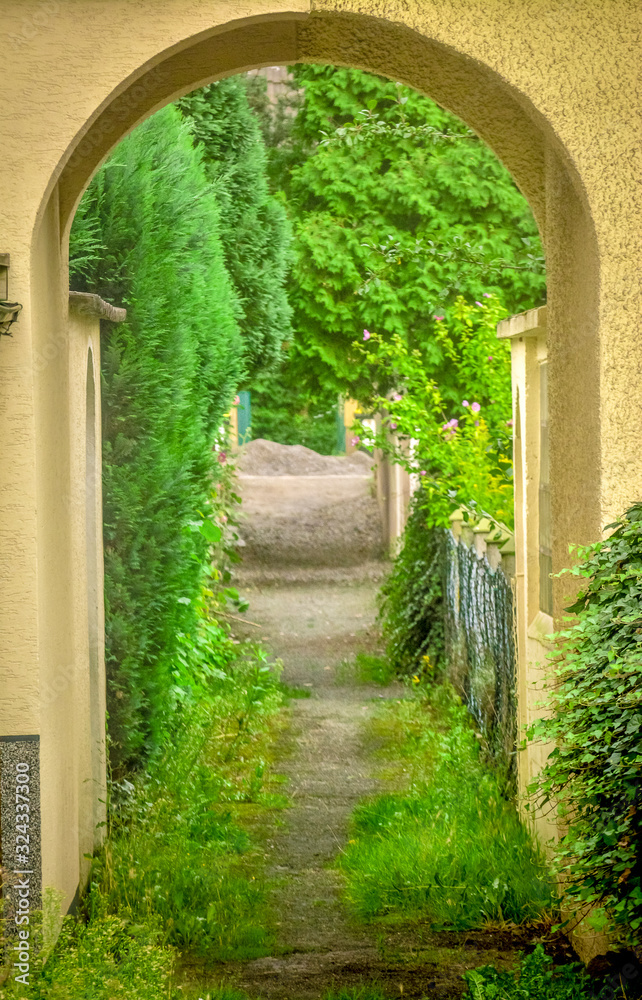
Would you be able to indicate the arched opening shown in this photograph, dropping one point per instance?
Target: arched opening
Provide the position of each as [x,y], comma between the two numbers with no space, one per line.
[503,116]
[470,71]
[320,755]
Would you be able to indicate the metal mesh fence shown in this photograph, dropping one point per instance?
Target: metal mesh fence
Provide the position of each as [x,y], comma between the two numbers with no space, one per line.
[480,647]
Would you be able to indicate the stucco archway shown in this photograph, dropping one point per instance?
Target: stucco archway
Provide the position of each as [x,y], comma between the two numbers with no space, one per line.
[551,87]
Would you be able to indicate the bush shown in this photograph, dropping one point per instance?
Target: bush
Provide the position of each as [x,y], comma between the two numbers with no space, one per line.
[168,374]
[283,414]
[254,227]
[593,772]
[411,599]
[449,850]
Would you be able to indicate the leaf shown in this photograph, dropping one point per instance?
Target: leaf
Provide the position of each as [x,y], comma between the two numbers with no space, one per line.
[212,532]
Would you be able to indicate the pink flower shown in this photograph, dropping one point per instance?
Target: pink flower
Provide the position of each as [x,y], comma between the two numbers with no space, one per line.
[396,397]
[490,357]
[366,335]
[465,402]
[355,441]
[475,407]
[423,473]
[480,304]
[509,423]
[393,426]
[487,295]
[438,318]
[222,457]
[477,423]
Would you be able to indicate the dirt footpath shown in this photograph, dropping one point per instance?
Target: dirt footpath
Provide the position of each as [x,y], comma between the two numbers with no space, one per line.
[330,766]
[312,534]
[314,629]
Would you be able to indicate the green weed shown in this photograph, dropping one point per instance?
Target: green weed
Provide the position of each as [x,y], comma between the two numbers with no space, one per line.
[176,853]
[368,991]
[537,979]
[450,849]
[109,959]
[178,870]
[366,669]
[288,691]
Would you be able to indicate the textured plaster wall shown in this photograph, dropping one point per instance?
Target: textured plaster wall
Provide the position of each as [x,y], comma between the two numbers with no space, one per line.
[551,85]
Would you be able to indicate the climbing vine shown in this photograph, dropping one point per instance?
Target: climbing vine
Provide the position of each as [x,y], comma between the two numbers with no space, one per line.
[447,411]
[595,769]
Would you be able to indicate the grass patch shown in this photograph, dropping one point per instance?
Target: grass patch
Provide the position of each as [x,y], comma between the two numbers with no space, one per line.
[177,853]
[450,849]
[179,872]
[366,669]
[109,959]
[367,991]
[289,691]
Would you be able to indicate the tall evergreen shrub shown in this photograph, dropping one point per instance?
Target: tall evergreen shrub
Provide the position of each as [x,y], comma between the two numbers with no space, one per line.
[146,236]
[254,228]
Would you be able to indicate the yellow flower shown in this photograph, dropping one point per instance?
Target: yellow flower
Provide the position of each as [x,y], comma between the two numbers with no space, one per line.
[415,679]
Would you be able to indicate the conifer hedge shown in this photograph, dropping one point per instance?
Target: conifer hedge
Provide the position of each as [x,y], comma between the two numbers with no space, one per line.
[147,236]
[254,226]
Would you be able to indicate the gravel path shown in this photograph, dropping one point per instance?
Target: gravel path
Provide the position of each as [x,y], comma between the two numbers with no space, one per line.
[314,627]
[311,573]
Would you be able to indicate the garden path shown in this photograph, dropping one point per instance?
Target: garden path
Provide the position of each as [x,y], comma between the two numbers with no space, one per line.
[315,626]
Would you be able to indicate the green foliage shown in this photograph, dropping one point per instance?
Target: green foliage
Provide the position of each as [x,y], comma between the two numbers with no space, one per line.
[463,460]
[282,413]
[168,374]
[178,869]
[174,853]
[373,669]
[450,850]
[369,991]
[110,959]
[594,770]
[536,979]
[392,230]
[411,600]
[253,225]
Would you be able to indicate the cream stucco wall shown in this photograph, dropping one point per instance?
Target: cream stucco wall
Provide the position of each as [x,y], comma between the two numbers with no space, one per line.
[527,335]
[551,85]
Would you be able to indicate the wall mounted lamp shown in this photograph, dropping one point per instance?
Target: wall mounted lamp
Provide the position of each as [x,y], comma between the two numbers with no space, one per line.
[9,311]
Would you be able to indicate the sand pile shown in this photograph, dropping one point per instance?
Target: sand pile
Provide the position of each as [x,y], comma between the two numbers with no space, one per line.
[267,458]
[301,509]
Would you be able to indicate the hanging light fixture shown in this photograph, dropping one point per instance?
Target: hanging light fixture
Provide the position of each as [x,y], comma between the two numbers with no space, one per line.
[9,311]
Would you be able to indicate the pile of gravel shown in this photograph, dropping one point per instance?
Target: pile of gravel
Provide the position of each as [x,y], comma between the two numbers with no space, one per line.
[267,458]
